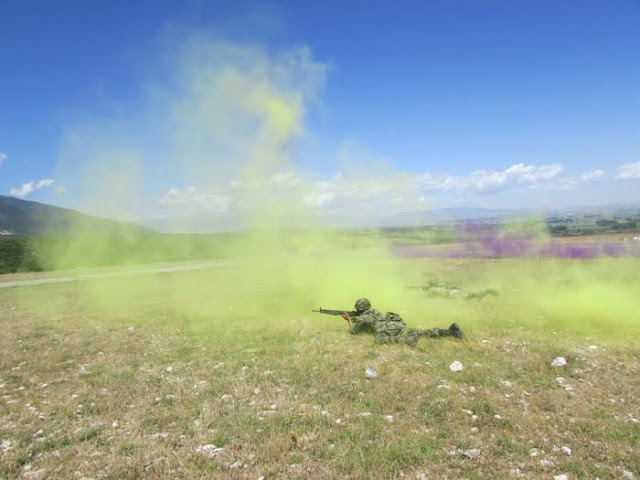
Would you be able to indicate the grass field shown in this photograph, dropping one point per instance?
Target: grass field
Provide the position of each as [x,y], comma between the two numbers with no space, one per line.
[140,377]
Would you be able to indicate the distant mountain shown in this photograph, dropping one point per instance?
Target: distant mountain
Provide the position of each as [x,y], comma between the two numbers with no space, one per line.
[213,224]
[449,215]
[23,217]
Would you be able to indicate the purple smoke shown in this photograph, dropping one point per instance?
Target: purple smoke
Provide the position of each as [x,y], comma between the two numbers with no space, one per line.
[485,241]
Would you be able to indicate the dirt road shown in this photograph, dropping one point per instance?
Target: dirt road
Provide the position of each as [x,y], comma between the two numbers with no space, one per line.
[125,273]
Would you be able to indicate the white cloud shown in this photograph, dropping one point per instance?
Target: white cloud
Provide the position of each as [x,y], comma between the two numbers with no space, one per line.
[319,199]
[628,171]
[30,187]
[568,183]
[287,179]
[490,181]
[591,175]
[376,193]
[429,181]
[3,157]
[194,198]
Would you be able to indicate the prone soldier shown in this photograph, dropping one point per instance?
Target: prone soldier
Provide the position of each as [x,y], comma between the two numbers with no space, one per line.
[389,328]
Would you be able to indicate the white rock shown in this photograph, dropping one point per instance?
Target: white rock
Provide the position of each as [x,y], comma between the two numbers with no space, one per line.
[565,450]
[168,369]
[559,362]
[562,476]
[628,474]
[506,383]
[5,446]
[370,373]
[236,464]
[364,414]
[592,347]
[456,366]
[209,450]
[389,418]
[115,424]
[472,453]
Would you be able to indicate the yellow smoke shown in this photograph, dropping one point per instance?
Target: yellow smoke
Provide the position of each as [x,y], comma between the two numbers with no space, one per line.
[230,113]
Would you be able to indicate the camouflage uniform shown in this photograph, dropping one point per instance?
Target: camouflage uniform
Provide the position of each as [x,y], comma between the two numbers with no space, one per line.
[390,328]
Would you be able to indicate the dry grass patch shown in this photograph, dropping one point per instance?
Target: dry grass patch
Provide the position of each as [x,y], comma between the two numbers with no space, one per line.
[88,394]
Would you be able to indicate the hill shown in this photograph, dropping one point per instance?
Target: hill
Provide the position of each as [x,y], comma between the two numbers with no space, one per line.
[27,218]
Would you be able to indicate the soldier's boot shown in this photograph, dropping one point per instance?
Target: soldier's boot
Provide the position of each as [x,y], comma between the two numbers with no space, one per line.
[456,331]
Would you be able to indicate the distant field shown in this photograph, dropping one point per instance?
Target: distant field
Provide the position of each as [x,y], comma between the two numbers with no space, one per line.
[130,377]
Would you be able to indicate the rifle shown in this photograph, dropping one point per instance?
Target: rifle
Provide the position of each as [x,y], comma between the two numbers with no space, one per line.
[339,313]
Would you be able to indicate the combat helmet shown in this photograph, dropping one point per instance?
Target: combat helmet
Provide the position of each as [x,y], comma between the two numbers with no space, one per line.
[362,304]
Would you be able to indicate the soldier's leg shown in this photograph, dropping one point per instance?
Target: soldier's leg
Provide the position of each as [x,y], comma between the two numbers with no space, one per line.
[453,331]
[383,338]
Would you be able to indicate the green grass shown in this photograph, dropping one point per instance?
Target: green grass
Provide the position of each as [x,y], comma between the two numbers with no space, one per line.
[233,357]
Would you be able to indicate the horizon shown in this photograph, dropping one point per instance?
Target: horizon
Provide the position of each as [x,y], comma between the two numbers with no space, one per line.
[448,216]
[236,109]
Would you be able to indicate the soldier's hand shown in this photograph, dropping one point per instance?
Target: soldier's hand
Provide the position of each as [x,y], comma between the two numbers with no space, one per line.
[347,317]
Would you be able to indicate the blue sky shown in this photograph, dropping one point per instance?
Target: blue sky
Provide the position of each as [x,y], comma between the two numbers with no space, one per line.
[395,106]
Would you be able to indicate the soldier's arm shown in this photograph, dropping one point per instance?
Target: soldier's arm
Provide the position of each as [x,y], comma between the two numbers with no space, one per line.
[361,323]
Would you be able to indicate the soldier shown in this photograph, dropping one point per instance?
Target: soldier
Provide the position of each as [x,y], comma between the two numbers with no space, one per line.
[390,328]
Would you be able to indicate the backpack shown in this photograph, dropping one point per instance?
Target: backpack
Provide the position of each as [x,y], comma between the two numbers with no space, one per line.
[392,317]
